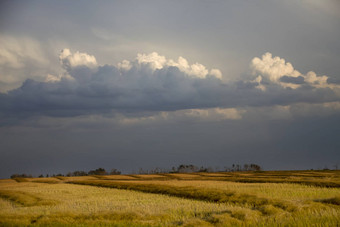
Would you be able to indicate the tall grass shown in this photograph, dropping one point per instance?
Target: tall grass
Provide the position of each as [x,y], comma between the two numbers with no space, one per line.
[211,195]
[281,191]
[88,205]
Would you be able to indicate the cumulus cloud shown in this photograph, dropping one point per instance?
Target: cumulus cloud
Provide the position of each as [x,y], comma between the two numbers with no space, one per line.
[153,83]
[156,61]
[278,71]
[69,60]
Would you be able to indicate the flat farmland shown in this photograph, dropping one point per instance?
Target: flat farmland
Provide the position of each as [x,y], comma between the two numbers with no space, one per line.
[269,198]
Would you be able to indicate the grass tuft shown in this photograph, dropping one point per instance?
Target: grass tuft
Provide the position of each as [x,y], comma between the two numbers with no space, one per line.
[269,210]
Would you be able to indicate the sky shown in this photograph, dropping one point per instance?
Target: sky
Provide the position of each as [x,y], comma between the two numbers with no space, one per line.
[155,83]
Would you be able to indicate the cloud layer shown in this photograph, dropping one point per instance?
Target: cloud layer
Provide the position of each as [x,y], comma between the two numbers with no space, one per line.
[153,83]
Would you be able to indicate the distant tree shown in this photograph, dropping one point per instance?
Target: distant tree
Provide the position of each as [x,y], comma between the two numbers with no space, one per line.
[173,169]
[255,167]
[227,169]
[115,172]
[79,173]
[245,167]
[142,171]
[202,169]
[99,171]
[187,169]
[40,176]
[238,167]
[158,170]
[21,176]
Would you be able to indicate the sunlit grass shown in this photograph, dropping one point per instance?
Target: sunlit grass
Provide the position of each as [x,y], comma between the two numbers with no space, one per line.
[296,192]
[86,204]
[24,198]
[52,201]
[190,192]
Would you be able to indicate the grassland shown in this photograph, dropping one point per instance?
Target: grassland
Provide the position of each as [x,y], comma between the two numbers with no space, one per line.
[281,198]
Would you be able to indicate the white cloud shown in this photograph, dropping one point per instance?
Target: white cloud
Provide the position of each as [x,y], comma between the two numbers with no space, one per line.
[214,114]
[124,65]
[258,80]
[69,60]
[316,81]
[54,79]
[156,61]
[276,68]
[51,78]
[216,73]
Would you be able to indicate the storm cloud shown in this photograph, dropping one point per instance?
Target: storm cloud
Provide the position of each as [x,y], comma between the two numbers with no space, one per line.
[153,83]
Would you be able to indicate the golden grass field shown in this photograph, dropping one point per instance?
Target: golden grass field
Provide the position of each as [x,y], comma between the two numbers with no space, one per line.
[270,198]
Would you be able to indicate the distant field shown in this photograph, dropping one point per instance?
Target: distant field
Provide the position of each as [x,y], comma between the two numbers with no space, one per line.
[295,198]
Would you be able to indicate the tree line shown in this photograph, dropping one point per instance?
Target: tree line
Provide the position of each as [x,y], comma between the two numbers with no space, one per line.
[183,168]
[99,171]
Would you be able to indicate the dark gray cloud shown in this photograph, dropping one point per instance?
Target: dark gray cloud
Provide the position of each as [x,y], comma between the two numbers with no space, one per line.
[274,143]
[152,83]
[333,80]
[293,80]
